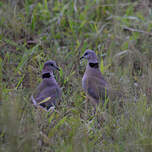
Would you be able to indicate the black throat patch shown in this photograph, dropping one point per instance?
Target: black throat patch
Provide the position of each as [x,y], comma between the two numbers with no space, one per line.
[94,65]
[46,75]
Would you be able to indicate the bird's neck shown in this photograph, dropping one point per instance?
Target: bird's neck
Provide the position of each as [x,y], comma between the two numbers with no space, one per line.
[94,65]
[93,69]
[46,75]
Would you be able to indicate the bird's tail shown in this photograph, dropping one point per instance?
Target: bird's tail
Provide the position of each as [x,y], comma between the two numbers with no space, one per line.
[33,100]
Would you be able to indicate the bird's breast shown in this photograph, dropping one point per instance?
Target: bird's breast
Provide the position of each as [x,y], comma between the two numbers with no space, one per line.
[50,82]
[85,82]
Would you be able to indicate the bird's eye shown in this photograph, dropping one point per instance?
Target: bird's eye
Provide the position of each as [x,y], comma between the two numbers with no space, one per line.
[85,54]
[51,64]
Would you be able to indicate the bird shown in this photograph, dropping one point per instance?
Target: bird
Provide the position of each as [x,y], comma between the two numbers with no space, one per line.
[48,93]
[94,84]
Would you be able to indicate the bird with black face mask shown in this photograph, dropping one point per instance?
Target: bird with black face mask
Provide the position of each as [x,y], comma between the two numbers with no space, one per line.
[93,82]
[48,92]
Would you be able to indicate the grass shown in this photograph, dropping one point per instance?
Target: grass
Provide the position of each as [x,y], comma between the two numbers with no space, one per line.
[32,32]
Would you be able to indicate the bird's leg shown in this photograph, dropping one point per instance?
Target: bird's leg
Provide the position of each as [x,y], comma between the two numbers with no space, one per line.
[86,107]
[94,109]
[95,105]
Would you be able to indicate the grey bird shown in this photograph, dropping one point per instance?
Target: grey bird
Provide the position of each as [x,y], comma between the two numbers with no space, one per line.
[93,82]
[48,92]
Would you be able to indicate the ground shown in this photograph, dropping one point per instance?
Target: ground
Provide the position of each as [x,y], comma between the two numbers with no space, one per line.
[119,31]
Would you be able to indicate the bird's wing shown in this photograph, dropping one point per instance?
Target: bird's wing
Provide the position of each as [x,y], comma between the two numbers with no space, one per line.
[96,88]
[39,89]
[48,97]
[52,92]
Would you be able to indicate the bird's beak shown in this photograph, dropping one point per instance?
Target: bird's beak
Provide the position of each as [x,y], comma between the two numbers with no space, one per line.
[57,68]
[81,57]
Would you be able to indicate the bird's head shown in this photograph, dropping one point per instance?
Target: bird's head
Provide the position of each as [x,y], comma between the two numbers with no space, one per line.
[50,66]
[90,56]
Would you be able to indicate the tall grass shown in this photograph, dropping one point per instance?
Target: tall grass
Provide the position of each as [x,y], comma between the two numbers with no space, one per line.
[32,32]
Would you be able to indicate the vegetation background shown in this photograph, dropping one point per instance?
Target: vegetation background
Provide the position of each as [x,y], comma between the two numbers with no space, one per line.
[33,31]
